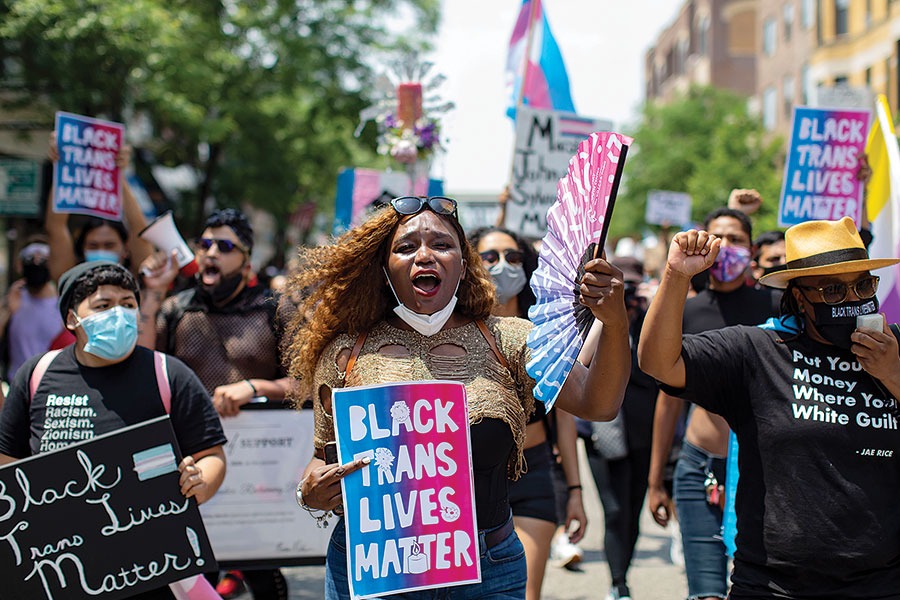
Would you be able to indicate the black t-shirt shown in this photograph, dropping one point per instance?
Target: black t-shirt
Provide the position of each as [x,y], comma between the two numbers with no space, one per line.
[714,310]
[819,461]
[74,403]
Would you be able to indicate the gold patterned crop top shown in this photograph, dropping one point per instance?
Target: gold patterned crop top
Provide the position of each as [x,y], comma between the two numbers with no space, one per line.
[460,354]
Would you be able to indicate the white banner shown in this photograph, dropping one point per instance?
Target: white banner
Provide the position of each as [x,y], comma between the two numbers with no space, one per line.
[254,517]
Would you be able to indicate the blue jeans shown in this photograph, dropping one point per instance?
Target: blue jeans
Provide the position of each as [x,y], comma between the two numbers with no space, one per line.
[503,573]
[705,562]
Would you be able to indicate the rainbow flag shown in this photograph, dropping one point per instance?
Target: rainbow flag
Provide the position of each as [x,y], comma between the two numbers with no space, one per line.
[534,64]
[883,205]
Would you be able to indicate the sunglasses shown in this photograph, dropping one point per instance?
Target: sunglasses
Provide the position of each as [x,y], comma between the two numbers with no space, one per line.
[411,205]
[512,257]
[224,246]
[835,293]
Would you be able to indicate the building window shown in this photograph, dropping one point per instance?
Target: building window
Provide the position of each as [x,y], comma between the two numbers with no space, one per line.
[788,21]
[807,12]
[841,8]
[868,14]
[769,36]
[787,94]
[770,104]
[806,86]
[683,49]
[702,35]
[869,76]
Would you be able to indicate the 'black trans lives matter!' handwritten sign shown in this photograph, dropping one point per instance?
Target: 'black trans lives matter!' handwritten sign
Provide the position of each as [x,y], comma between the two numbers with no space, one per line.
[103,518]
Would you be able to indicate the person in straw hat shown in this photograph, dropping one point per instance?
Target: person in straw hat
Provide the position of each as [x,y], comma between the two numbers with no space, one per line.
[812,399]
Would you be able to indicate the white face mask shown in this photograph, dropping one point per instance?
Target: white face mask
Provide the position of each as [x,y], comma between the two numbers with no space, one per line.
[427,325]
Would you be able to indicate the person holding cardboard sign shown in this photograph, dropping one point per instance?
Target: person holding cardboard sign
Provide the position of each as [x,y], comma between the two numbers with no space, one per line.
[404,297]
[98,238]
[104,382]
[812,400]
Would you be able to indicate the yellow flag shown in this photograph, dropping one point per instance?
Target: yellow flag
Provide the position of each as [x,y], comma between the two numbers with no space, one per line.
[878,190]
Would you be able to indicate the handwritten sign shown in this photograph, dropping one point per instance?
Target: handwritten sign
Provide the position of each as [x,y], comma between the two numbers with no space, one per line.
[410,513]
[100,518]
[86,178]
[545,141]
[668,208]
[823,159]
[253,520]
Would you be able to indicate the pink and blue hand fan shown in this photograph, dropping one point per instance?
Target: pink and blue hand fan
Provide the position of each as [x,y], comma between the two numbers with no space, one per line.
[576,232]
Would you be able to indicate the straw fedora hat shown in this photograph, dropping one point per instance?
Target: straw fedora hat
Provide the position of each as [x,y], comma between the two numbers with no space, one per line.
[823,248]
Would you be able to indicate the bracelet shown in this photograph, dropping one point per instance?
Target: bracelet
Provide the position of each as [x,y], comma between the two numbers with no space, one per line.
[252,387]
[574,487]
[322,517]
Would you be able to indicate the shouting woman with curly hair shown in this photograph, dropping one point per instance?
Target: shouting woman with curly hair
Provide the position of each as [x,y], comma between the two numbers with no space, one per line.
[404,297]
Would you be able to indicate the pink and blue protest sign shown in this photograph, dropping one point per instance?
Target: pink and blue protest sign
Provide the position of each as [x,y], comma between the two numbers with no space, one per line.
[820,175]
[409,513]
[86,178]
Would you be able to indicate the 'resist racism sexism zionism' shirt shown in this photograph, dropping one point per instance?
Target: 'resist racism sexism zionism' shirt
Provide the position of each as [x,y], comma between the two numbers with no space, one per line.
[819,462]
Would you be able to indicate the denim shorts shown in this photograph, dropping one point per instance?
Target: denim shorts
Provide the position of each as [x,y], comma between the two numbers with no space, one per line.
[503,573]
[533,494]
[705,561]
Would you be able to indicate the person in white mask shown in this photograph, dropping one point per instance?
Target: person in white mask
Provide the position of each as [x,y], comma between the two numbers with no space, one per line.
[550,491]
[404,297]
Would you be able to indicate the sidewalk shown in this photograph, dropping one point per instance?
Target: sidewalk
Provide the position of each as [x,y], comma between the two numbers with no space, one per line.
[652,576]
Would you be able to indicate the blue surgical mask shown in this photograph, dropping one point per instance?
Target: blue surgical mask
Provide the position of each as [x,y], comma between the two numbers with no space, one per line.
[112,334]
[95,255]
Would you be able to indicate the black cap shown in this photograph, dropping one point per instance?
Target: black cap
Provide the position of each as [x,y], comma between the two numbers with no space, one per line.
[66,284]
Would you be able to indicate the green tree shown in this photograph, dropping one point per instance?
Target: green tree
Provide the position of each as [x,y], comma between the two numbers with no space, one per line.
[261,97]
[704,143]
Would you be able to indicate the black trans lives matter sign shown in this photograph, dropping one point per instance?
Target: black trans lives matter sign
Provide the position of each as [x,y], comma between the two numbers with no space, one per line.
[103,518]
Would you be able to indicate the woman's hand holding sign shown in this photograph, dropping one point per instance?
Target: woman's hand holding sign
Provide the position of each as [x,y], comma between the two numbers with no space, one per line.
[321,485]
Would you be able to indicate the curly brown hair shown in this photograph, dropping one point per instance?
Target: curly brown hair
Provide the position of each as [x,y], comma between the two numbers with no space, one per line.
[338,286]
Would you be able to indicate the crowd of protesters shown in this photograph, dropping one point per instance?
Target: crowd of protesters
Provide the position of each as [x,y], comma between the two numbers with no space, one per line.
[706,346]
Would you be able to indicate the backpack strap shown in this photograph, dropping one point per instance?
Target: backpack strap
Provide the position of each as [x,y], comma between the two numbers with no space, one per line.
[39,370]
[492,342]
[162,380]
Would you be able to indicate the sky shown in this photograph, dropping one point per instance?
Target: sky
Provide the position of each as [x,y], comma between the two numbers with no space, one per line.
[603,43]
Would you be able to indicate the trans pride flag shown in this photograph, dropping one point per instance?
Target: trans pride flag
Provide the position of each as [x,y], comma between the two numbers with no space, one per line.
[534,64]
[883,206]
[409,513]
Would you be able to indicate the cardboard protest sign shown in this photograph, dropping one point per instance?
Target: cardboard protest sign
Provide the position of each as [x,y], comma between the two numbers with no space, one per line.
[253,520]
[410,513]
[86,178]
[100,518]
[820,171]
[545,141]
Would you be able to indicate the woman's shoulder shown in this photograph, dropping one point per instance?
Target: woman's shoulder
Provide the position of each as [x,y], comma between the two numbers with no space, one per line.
[511,332]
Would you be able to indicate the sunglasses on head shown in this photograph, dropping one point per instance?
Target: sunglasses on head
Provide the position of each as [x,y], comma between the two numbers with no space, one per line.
[835,293]
[411,205]
[512,257]
[224,246]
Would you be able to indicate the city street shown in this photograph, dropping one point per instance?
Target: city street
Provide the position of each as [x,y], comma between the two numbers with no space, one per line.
[652,575]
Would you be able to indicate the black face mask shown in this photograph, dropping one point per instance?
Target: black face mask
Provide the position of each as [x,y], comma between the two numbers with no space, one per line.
[772,269]
[224,290]
[36,275]
[835,322]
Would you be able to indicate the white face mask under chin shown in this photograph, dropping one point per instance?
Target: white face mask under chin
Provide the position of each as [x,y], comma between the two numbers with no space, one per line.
[427,325]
